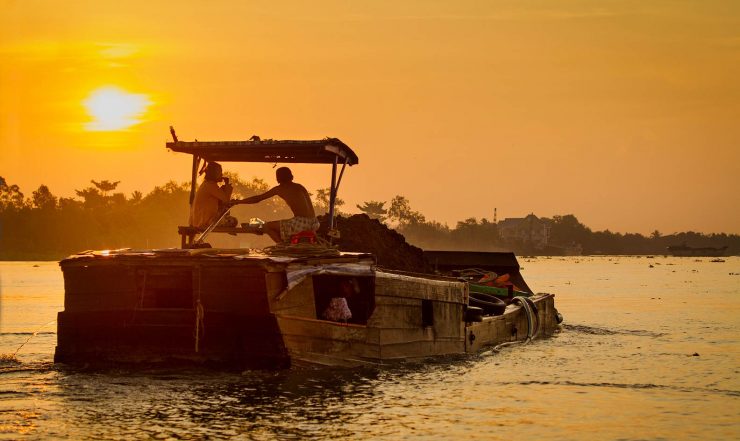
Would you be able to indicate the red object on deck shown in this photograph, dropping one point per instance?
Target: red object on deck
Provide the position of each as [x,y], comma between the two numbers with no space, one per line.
[303,237]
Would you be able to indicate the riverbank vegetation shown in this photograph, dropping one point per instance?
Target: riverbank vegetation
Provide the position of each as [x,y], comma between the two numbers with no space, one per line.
[42,226]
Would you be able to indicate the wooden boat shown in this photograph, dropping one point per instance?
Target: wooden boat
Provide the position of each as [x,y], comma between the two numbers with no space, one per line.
[684,250]
[248,308]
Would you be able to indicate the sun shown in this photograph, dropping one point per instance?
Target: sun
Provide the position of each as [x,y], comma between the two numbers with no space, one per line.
[113,108]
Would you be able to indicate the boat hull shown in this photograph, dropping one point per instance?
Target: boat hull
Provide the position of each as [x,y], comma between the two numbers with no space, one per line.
[336,344]
[252,312]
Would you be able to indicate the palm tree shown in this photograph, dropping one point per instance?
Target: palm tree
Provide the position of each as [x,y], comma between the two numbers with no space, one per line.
[374,210]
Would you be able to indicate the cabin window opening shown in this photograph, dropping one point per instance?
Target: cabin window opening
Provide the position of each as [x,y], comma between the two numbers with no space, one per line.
[427,313]
[357,292]
[166,288]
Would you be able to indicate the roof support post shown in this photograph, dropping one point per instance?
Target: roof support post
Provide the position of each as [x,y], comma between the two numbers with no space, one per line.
[339,180]
[332,193]
[193,178]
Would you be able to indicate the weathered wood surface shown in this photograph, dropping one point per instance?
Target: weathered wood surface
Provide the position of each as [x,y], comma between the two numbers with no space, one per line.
[420,349]
[400,313]
[299,301]
[188,233]
[241,290]
[168,335]
[394,331]
[100,288]
[396,285]
[311,339]
[511,326]
[110,312]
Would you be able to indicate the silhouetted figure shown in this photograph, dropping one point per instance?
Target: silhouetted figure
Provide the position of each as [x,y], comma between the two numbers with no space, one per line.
[210,197]
[297,198]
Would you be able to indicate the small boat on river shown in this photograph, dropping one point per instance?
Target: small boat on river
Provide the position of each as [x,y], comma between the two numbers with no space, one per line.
[684,250]
[262,309]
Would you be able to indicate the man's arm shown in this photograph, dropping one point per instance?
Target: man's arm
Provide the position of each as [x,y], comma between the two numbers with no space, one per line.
[257,198]
[222,193]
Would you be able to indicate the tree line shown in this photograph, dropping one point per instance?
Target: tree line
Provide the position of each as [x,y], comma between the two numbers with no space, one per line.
[43,226]
[566,231]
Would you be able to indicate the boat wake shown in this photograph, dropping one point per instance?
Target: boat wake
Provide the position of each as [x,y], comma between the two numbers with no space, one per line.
[733,393]
[603,331]
[10,364]
[8,359]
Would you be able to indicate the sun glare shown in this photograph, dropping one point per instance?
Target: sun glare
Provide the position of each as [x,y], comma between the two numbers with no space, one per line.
[114,109]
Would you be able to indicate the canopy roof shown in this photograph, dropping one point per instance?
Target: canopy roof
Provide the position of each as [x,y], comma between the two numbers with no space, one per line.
[322,151]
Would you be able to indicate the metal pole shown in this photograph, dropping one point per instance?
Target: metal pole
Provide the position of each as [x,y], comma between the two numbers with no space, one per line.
[332,193]
[193,179]
[212,226]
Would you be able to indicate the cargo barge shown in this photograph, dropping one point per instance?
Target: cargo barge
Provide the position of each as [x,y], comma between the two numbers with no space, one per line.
[256,309]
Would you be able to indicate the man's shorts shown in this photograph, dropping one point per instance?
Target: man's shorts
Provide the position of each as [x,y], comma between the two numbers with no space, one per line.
[289,227]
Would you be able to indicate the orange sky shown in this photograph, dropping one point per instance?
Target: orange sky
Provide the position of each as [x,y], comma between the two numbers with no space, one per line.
[624,113]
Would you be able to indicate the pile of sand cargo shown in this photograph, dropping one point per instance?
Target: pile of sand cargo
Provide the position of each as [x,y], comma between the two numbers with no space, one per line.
[360,233]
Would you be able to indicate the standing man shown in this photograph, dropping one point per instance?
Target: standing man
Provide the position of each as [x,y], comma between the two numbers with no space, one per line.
[297,198]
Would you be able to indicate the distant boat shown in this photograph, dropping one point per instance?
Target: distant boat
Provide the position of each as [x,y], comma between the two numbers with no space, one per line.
[687,251]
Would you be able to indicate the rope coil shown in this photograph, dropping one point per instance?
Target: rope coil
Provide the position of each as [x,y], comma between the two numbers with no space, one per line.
[533,323]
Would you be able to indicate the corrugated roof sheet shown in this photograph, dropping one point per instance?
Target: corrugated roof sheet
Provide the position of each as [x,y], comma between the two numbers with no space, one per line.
[322,151]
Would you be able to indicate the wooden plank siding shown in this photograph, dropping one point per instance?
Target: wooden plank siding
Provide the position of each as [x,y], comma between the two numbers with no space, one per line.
[396,285]
[398,316]
[90,288]
[308,339]
[110,314]
[236,289]
[394,331]
[299,301]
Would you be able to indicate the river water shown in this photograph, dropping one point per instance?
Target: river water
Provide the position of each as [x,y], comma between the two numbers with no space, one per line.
[649,350]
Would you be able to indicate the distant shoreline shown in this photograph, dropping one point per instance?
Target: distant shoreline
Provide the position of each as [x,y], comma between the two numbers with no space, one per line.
[46,227]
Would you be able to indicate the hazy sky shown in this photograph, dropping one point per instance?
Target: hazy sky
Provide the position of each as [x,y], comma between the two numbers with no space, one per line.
[624,113]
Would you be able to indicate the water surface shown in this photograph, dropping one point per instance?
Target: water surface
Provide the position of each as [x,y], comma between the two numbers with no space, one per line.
[649,350]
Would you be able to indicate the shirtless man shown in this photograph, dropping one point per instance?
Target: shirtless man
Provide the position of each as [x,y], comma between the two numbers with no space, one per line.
[297,198]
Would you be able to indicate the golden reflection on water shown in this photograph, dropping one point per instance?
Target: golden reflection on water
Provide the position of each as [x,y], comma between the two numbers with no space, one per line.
[24,424]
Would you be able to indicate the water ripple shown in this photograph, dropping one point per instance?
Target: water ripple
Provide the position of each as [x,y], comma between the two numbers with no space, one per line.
[603,331]
[17,366]
[732,393]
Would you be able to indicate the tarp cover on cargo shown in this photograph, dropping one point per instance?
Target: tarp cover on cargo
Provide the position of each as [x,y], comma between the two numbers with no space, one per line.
[322,151]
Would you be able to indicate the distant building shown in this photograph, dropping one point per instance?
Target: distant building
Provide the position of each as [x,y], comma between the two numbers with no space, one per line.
[529,230]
